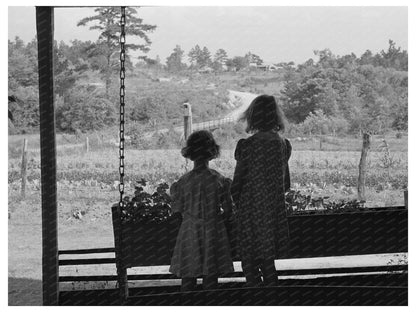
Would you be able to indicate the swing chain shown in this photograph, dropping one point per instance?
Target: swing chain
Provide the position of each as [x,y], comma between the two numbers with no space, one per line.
[122,95]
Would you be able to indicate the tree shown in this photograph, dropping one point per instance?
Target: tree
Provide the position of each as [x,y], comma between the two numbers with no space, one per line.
[66,73]
[199,57]
[219,60]
[23,85]
[107,22]
[316,123]
[237,62]
[83,111]
[22,63]
[25,109]
[79,54]
[174,61]
[194,55]
[326,58]
[367,92]
[394,57]
[205,57]
[253,58]
[220,56]
[366,58]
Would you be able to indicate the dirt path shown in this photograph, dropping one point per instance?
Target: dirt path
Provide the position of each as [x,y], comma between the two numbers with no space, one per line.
[240,99]
[244,98]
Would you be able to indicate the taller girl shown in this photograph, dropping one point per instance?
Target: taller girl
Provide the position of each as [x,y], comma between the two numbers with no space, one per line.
[261,178]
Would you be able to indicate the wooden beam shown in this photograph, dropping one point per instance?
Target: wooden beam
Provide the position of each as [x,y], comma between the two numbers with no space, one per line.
[50,268]
[86,251]
[385,269]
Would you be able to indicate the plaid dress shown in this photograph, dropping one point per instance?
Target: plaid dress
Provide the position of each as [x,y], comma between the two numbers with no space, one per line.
[202,246]
[258,189]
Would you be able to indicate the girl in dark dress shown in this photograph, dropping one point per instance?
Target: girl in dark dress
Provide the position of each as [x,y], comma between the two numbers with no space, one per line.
[203,198]
[261,179]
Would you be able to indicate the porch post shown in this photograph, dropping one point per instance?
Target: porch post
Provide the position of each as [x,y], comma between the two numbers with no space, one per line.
[50,268]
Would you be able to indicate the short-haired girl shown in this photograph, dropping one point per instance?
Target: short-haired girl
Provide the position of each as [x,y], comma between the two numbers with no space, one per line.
[202,196]
[260,180]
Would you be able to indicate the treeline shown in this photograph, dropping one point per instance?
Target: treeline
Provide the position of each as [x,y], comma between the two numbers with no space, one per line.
[340,94]
[77,101]
[332,95]
[87,97]
[202,59]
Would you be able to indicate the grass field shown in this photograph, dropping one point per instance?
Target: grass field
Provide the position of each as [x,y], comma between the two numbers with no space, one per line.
[88,182]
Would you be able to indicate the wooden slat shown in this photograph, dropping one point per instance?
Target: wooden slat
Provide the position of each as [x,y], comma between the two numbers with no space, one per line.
[296,295]
[86,251]
[289,295]
[86,261]
[298,272]
[319,235]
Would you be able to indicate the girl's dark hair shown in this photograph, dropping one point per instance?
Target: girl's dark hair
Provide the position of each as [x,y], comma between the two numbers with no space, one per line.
[201,145]
[264,114]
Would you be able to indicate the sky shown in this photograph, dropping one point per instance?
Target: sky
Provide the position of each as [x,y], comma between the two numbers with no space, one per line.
[275,33]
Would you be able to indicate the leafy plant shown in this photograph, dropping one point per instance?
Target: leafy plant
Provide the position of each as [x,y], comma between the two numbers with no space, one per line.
[147,207]
[297,203]
[387,160]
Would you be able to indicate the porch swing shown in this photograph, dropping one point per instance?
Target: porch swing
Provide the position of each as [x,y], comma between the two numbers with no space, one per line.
[151,244]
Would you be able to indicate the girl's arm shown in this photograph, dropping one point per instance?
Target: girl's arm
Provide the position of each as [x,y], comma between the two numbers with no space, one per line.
[226,201]
[177,198]
[287,173]
[239,173]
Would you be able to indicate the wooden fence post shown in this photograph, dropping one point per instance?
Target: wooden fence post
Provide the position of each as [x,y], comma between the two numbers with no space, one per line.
[405,199]
[363,166]
[187,120]
[24,168]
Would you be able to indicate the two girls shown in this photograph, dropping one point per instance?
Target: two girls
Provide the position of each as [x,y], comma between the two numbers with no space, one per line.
[202,195]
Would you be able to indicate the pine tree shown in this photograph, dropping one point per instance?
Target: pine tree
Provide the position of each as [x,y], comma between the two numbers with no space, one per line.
[107,22]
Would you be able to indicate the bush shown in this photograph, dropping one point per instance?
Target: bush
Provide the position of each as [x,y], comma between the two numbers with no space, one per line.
[83,111]
[25,110]
[162,103]
[227,135]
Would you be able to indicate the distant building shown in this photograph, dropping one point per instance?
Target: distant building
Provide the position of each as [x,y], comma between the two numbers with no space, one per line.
[205,70]
[268,67]
[163,79]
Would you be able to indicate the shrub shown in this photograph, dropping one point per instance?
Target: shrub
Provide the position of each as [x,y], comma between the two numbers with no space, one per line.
[84,111]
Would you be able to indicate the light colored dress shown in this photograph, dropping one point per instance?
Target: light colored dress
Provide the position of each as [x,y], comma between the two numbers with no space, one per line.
[202,246]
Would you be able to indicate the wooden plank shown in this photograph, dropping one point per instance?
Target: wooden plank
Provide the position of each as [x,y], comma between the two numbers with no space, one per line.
[86,251]
[86,261]
[288,295]
[50,270]
[138,287]
[320,271]
[317,235]
[357,233]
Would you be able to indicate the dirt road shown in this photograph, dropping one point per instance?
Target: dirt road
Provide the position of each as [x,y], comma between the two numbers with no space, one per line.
[244,98]
[240,100]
